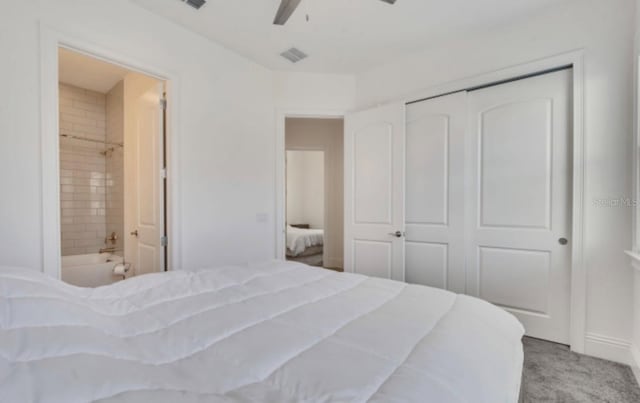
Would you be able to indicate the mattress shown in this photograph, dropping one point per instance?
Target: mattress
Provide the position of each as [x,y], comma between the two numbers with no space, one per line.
[299,239]
[274,332]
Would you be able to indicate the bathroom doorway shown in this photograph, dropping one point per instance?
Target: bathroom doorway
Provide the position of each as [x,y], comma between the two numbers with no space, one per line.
[112,158]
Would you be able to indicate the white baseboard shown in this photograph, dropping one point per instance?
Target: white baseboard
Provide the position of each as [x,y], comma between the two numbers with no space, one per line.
[635,361]
[608,348]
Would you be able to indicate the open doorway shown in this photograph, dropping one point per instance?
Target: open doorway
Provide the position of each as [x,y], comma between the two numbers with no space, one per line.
[112,163]
[314,191]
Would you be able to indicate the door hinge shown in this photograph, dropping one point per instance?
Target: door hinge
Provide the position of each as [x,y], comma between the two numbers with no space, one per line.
[163,104]
[163,173]
[164,241]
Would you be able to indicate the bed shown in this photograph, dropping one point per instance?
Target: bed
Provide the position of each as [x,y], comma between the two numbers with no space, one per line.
[305,245]
[273,332]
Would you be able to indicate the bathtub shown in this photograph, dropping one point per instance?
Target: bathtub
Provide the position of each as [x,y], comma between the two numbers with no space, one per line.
[92,270]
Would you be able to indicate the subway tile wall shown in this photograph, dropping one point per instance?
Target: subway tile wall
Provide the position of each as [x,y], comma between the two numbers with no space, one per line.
[82,171]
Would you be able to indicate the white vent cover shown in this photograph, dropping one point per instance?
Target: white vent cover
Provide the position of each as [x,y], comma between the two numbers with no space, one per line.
[294,55]
[197,4]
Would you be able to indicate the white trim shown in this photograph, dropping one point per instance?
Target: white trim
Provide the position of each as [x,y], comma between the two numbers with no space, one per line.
[281,116]
[576,59]
[636,153]
[49,154]
[635,362]
[635,259]
[607,348]
[50,40]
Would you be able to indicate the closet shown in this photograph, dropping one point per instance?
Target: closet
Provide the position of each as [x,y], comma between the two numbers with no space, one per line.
[469,192]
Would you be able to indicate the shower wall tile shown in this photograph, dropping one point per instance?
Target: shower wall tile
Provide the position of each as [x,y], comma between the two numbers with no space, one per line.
[82,170]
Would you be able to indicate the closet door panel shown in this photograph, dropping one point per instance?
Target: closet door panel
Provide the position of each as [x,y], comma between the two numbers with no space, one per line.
[427,179]
[517,136]
[525,272]
[372,177]
[374,192]
[427,263]
[434,192]
[519,200]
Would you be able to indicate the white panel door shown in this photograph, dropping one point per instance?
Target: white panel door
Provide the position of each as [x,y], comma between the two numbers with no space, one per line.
[374,194]
[434,198]
[144,198]
[518,155]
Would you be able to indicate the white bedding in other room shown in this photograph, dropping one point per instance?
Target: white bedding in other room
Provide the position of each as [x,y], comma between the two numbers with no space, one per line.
[277,332]
[299,239]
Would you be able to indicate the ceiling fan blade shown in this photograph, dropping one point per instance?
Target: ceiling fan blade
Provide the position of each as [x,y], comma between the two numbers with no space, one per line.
[390,1]
[287,7]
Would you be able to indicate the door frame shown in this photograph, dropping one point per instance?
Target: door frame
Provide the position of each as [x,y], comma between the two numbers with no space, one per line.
[575,59]
[50,41]
[281,171]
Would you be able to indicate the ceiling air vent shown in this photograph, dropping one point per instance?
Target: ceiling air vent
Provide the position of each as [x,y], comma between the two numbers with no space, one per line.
[197,4]
[294,55]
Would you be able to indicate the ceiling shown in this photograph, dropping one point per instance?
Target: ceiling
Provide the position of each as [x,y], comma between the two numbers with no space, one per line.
[341,36]
[87,72]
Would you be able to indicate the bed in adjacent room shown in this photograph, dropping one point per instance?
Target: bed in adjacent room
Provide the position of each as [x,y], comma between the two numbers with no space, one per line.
[305,245]
[274,332]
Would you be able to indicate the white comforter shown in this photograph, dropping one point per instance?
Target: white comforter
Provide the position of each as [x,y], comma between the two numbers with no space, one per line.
[277,332]
[299,239]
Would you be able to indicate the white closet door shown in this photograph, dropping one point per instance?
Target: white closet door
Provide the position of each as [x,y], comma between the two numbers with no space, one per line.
[519,200]
[434,248]
[374,192]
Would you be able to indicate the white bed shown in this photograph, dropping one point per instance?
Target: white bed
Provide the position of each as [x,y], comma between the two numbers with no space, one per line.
[301,239]
[277,332]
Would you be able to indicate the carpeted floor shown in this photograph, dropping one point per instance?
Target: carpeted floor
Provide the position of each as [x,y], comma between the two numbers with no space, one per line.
[552,373]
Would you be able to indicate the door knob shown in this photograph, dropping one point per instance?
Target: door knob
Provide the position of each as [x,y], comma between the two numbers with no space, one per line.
[134,233]
[397,234]
[563,241]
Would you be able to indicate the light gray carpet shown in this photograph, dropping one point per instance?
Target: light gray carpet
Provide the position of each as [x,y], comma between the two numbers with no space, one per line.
[552,373]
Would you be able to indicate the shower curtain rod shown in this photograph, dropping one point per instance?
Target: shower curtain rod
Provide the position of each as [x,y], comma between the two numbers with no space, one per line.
[106,143]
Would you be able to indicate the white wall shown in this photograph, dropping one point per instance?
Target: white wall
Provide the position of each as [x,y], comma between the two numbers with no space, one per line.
[314,92]
[295,188]
[225,139]
[605,30]
[305,188]
[635,345]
